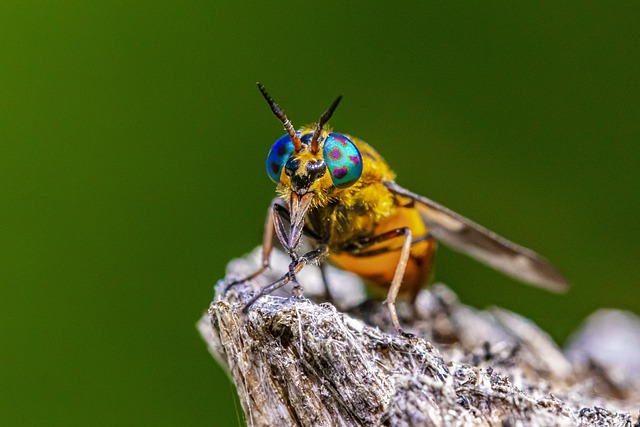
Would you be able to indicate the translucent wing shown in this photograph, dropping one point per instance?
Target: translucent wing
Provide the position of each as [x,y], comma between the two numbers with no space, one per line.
[472,239]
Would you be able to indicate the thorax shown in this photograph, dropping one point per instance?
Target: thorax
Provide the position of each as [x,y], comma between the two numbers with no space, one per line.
[356,211]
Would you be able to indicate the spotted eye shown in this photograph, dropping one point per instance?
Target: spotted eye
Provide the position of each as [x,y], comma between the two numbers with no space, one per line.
[343,160]
[278,155]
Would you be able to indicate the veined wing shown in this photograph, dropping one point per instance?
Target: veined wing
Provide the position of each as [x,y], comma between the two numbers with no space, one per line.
[476,241]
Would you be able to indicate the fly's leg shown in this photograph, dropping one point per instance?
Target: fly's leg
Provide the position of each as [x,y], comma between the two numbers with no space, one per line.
[267,244]
[397,278]
[280,212]
[268,289]
[359,248]
[413,293]
[327,289]
[294,268]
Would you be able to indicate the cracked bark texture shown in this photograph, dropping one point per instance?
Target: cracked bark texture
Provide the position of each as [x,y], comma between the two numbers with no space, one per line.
[296,362]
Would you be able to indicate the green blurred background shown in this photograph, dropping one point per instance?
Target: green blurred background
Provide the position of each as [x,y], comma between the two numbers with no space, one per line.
[132,153]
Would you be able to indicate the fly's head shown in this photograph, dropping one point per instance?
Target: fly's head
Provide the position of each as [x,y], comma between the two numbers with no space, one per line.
[300,171]
[313,159]
[309,164]
[337,163]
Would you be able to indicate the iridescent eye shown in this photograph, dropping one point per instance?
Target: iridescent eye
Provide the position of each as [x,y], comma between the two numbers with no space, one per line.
[278,155]
[343,160]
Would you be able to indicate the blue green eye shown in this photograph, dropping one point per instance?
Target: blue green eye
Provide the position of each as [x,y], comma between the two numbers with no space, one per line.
[278,155]
[343,160]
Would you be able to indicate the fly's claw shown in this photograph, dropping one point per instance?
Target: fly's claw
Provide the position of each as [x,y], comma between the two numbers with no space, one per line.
[231,284]
[297,292]
[236,282]
[288,277]
[406,334]
[265,265]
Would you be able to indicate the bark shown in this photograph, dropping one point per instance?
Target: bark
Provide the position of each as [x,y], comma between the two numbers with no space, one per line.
[296,362]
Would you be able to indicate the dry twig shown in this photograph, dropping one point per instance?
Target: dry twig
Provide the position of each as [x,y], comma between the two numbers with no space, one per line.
[295,362]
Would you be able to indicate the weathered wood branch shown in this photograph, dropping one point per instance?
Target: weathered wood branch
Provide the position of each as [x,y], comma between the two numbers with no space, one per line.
[299,363]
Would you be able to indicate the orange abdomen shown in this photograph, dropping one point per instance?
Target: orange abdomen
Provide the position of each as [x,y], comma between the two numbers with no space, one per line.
[379,269]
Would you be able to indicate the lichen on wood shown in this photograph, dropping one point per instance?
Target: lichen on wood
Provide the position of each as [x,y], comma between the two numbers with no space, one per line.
[296,362]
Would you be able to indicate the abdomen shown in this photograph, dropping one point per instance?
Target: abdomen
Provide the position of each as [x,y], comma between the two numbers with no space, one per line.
[379,269]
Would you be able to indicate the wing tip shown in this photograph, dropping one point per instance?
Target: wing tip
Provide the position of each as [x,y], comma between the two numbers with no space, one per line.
[552,280]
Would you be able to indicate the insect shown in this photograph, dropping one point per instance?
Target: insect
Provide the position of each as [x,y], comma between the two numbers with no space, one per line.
[337,191]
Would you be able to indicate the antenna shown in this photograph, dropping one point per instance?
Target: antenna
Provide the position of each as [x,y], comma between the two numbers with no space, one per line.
[280,114]
[323,120]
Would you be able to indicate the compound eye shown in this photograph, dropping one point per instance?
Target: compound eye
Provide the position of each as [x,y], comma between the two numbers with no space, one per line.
[343,160]
[278,155]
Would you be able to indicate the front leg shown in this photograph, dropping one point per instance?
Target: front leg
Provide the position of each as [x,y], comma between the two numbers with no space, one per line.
[280,213]
[273,220]
[294,268]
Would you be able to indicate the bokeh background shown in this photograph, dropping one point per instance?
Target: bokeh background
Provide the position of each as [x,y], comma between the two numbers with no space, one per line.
[132,149]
